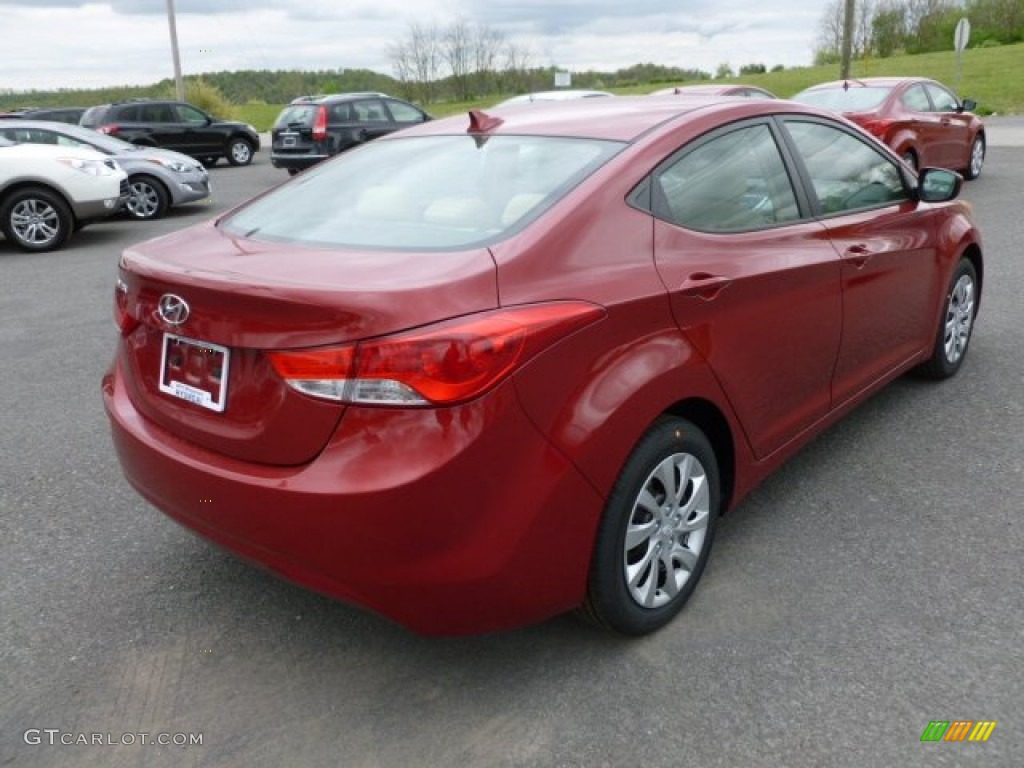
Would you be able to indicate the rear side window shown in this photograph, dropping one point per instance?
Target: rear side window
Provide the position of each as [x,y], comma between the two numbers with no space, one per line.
[423,193]
[127,114]
[157,113]
[730,183]
[847,174]
[370,111]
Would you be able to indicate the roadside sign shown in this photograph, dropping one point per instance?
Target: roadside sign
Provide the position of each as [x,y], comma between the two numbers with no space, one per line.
[962,35]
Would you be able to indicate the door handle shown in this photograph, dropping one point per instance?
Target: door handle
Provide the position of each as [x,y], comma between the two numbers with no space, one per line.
[703,285]
[858,255]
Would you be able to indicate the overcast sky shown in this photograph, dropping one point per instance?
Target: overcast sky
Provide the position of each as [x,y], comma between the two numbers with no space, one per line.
[49,44]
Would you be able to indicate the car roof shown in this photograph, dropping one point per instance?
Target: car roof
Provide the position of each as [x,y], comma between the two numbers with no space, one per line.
[624,118]
[868,82]
[325,97]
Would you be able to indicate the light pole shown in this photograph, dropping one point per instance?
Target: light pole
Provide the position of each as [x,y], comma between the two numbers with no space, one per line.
[844,69]
[179,84]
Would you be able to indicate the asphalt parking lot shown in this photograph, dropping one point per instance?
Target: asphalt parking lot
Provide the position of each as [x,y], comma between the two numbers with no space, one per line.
[871,586]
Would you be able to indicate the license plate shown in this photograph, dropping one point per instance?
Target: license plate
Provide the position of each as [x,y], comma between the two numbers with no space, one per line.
[196,371]
[289,141]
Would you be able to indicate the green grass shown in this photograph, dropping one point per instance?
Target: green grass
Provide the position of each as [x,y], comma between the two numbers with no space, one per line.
[994,77]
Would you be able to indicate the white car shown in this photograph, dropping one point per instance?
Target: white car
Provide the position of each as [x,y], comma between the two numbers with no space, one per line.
[48,192]
[562,95]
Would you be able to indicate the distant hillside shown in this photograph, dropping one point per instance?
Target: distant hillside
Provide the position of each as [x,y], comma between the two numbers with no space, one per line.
[991,76]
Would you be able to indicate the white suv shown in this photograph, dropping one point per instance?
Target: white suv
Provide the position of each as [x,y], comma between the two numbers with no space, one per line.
[47,192]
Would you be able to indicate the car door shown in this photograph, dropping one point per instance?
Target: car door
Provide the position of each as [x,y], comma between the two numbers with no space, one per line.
[373,118]
[886,244]
[954,129]
[754,282]
[160,122]
[919,118]
[197,134]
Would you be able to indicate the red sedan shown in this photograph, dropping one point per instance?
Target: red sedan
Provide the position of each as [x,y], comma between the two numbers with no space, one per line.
[922,120]
[712,89]
[494,368]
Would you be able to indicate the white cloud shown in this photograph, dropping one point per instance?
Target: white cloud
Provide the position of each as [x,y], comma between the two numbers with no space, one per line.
[50,44]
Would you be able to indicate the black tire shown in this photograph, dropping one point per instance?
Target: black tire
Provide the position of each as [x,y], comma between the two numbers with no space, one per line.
[239,151]
[960,307]
[35,219]
[148,200]
[639,588]
[209,162]
[293,171]
[977,159]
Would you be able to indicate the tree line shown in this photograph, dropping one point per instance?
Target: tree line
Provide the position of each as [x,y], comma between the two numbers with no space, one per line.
[885,28]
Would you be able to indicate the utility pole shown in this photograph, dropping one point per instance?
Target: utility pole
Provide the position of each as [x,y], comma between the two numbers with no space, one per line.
[179,84]
[844,72]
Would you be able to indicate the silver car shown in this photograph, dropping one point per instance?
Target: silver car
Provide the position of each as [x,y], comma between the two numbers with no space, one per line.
[158,178]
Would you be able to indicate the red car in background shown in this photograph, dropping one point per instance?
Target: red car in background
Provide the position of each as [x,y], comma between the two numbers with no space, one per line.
[710,89]
[486,370]
[922,120]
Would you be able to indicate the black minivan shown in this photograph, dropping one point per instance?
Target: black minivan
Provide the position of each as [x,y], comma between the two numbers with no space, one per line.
[313,128]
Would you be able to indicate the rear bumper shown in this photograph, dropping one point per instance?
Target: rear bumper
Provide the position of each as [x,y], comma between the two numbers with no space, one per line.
[454,521]
[295,162]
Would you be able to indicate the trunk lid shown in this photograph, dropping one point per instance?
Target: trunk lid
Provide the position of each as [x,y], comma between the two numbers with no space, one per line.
[245,297]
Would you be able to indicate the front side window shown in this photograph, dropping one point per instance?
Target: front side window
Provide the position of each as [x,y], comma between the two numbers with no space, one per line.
[423,193]
[916,99]
[846,173]
[731,183]
[191,115]
[403,113]
[942,100]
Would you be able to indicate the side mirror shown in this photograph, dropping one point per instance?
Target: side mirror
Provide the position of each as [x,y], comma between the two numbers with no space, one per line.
[937,185]
[968,105]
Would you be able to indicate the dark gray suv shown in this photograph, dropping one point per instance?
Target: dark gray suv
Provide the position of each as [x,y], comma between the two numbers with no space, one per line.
[178,126]
[313,128]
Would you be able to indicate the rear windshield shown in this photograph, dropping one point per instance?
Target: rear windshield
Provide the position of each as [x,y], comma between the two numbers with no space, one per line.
[299,114]
[856,98]
[423,193]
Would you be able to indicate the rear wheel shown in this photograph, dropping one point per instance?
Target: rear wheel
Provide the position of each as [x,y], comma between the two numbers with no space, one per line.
[35,219]
[239,152]
[655,536]
[957,324]
[973,169]
[148,200]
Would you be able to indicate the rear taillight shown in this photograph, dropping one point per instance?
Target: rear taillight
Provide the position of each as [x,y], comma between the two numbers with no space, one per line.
[110,130]
[878,128]
[442,364]
[320,124]
[122,318]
